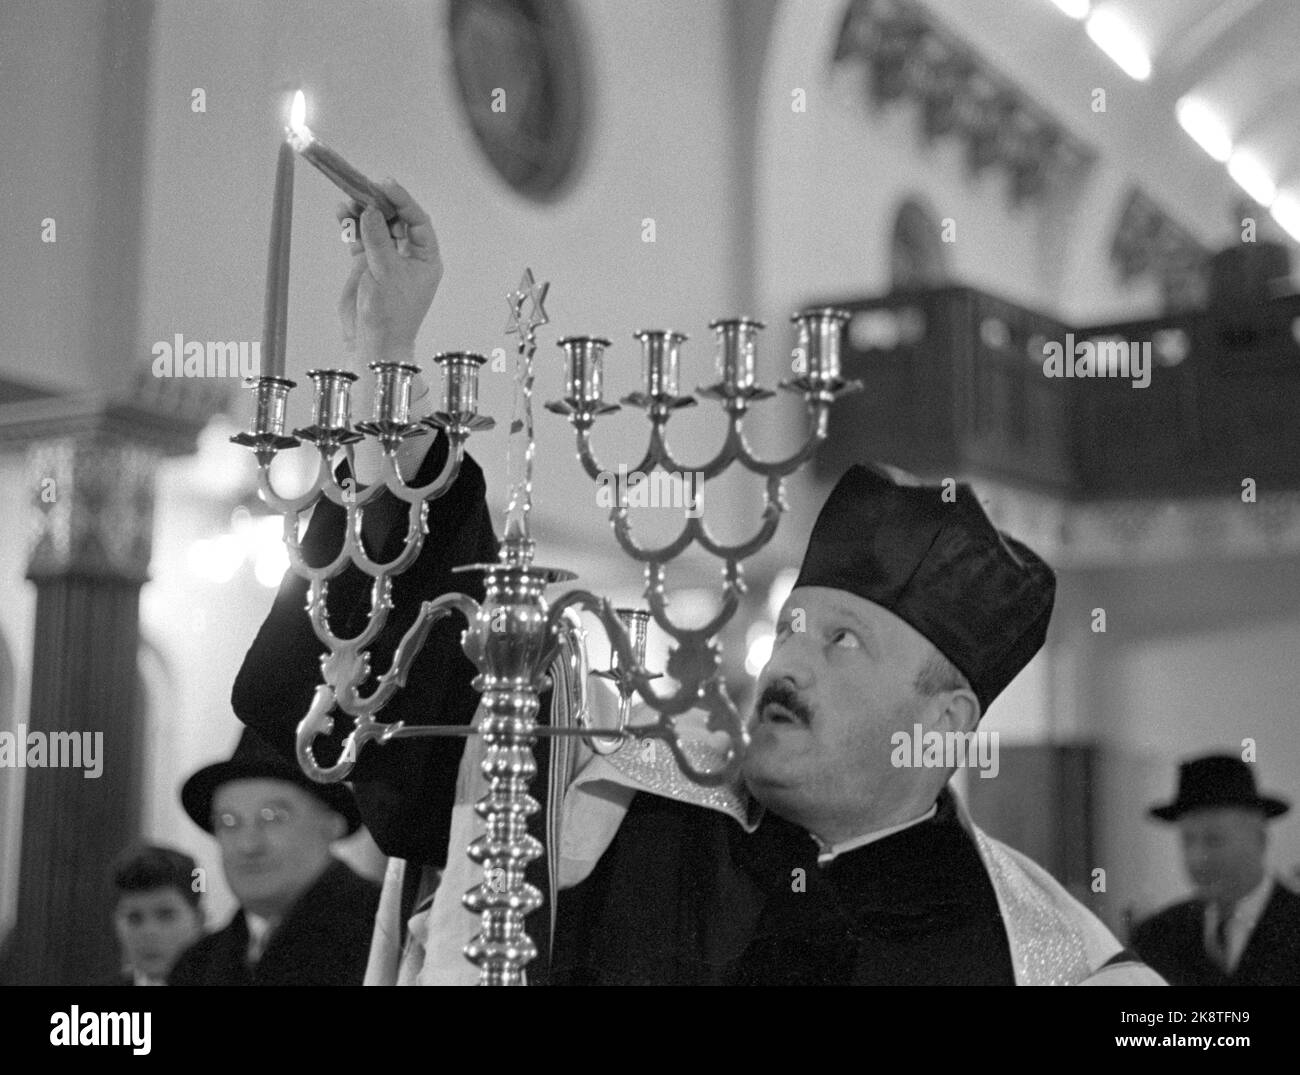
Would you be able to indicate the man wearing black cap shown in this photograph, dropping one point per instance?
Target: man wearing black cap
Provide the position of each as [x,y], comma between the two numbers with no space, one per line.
[305,918]
[1242,927]
[910,614]
[836,863]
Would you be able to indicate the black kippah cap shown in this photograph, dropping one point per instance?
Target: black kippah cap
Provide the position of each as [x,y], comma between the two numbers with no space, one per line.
[981,597]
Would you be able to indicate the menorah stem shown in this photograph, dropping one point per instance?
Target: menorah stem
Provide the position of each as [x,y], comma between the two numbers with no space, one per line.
[504,899]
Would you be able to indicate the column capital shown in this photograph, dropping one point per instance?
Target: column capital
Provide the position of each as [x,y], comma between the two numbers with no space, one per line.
[93,495]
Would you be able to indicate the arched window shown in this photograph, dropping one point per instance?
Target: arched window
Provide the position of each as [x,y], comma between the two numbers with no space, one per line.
[917,257]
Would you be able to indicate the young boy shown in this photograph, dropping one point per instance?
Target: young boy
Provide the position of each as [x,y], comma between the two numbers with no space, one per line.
[158,913]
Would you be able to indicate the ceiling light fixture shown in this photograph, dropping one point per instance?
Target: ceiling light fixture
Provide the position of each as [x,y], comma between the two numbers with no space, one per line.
[1205,128]
[1076,9]
[1251,175]
[1113,36]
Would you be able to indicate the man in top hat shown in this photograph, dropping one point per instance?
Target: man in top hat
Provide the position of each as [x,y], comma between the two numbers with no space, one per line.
[1242,927]
[304,917]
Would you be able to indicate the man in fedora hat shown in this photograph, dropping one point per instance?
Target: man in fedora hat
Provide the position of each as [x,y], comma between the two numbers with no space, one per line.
[1242,927]
[305,917]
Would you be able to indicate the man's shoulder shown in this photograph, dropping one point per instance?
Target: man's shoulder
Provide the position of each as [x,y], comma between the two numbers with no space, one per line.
[1174,920]
[344,881]
[195,964]
[340,897]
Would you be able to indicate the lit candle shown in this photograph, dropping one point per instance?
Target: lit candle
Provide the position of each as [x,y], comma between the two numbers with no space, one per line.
[338,171]
[275,312]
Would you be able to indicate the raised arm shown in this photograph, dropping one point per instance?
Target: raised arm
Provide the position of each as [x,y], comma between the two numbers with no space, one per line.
[404,788]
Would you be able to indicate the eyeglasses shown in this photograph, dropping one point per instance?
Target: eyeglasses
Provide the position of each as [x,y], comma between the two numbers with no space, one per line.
[268,817]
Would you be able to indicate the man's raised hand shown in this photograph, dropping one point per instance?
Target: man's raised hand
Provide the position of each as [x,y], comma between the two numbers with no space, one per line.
[395,272]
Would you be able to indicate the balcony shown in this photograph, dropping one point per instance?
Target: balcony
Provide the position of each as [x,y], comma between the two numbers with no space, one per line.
[955,384]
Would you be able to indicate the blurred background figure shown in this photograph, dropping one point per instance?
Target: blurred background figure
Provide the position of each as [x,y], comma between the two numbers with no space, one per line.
[305,917]
[1242,927]
[159,911]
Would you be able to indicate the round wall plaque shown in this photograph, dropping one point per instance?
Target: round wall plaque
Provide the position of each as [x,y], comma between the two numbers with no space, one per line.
[519,72]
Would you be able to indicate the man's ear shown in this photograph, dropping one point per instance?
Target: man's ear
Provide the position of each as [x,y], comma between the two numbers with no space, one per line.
[959,711]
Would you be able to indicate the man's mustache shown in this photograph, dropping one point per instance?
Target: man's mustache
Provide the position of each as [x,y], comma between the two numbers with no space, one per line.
[781,693]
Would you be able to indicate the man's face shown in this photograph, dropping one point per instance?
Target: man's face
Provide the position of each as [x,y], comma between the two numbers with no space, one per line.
[275,841]
[840,682]
[154,928]
[1223,850]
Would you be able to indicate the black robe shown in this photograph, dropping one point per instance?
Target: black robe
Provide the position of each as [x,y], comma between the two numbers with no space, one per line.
[913,908]
[684,896]
[1173,943]
[324,939]
[404,789]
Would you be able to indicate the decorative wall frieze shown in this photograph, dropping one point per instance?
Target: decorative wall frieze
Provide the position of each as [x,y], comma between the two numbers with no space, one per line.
[92,503]
[1147,241]
[910,57]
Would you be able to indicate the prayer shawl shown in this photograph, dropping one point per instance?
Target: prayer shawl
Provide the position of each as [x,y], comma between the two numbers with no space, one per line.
[1054,939]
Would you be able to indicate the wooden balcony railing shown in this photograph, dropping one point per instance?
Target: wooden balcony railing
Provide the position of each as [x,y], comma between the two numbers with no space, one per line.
[955,384]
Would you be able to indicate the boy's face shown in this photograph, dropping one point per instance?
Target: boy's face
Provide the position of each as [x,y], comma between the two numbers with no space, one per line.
[154,928]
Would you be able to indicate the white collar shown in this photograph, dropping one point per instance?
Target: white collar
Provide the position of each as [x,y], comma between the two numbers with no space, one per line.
[828,852]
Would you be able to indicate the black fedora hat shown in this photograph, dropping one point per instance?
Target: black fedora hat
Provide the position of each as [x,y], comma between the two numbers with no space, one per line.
[254,759]
[1217,780]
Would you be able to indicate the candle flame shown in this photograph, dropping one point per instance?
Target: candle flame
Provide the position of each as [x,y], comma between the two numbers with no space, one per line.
[298,116]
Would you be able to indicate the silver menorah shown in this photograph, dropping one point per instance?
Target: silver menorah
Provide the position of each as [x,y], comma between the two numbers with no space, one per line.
[515,637]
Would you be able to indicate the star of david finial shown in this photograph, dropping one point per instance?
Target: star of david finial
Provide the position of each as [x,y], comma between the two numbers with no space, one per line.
[528,291]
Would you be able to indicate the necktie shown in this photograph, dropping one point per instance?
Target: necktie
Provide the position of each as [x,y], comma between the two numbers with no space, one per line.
[1220,953]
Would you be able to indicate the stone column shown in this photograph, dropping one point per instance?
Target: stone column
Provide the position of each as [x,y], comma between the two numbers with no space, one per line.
[93,492]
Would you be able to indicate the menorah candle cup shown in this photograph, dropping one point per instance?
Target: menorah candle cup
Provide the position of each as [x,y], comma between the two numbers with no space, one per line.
[460,381]
[270,405]
[459,414]
[393,391]
[331,410]
[659,361]
[737,346]
[636,622]
[820,331]
[584,362]
[333,403]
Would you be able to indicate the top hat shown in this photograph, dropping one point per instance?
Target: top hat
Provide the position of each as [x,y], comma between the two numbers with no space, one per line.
[254,759]
[1217,780]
